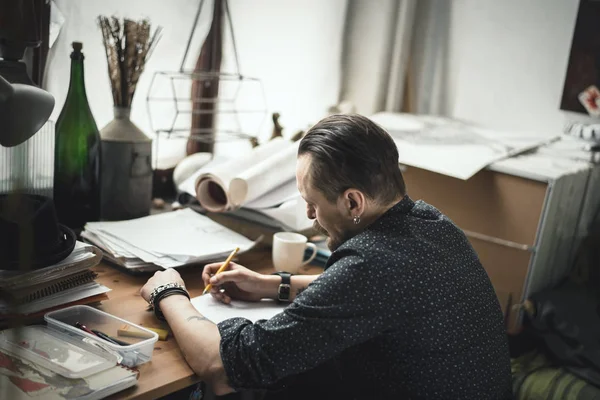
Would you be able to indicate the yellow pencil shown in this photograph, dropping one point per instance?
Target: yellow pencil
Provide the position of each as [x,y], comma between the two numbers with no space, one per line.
[223,267]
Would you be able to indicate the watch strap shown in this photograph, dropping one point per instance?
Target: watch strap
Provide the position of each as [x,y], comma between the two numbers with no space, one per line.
[285,287]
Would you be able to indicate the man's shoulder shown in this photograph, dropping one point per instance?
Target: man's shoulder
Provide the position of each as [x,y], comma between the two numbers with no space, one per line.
[425,210]
[372,251]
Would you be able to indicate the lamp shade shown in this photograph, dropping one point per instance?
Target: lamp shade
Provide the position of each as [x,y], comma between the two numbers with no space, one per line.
[24,109]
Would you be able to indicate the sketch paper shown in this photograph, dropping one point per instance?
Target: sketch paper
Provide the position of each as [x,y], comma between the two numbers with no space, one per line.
[451,147]
[216,311]
[275,197]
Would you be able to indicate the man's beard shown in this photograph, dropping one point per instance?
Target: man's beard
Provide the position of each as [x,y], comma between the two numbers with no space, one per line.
[317,227]
[332,243]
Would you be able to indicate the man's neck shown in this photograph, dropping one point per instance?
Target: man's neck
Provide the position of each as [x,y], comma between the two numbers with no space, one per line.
[376,211]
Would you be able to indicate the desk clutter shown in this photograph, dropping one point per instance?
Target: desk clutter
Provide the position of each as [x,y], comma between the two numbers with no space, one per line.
[167,240]
[70,281]
[78,355]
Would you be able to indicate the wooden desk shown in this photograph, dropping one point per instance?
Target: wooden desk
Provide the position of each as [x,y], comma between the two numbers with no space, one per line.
[168,371]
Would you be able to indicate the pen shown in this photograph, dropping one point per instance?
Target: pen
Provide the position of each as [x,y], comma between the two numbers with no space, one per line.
[223,267]
[112,340]
[84,328]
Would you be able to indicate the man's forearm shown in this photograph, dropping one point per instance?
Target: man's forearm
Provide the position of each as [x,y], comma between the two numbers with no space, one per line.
[199,340]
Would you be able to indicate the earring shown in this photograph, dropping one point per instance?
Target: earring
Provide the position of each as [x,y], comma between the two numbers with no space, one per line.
[356,219]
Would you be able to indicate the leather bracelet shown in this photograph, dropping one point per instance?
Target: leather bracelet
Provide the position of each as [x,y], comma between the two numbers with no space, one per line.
[162,295]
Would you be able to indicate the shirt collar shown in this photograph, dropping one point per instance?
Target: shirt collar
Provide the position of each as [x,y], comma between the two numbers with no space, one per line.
[404,206]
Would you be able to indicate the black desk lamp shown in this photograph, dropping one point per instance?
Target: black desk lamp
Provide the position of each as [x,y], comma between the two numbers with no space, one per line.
[24,107]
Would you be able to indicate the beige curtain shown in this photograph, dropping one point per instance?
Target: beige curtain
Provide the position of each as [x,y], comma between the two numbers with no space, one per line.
[395,56]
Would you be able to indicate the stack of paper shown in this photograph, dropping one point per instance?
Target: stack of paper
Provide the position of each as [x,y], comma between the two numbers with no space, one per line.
[69,281]
[167,240]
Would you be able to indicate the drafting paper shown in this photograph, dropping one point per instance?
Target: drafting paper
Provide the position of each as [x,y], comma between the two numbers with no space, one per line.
[216,311]
[451,147]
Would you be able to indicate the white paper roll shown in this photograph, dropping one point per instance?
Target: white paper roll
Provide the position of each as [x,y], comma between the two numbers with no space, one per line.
[229,185]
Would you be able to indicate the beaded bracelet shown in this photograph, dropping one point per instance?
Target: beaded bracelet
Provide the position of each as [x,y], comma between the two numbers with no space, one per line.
[160,288]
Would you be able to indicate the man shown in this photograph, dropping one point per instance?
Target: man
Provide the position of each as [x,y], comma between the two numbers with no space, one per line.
[403,309]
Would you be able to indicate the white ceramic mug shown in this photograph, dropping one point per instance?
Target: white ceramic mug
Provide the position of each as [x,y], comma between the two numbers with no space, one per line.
[288,251]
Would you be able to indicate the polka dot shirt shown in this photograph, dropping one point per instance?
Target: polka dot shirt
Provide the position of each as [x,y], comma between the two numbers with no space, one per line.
[403,310]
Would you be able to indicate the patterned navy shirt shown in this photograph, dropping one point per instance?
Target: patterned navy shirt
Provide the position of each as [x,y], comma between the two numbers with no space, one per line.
[403,310]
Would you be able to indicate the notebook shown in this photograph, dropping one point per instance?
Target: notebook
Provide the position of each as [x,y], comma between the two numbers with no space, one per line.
[22,379]
[42,290]
[56,299]
[10,317]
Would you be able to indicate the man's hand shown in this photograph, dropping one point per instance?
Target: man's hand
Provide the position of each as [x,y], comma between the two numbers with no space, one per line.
[160,278]
[240,283]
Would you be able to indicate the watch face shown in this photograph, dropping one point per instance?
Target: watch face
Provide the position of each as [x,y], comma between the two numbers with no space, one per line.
[284,292]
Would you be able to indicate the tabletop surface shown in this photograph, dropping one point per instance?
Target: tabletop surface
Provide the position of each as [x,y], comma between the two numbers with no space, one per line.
[168,371]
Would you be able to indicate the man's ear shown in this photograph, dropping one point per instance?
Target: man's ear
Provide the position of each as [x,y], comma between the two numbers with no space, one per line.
[353,203]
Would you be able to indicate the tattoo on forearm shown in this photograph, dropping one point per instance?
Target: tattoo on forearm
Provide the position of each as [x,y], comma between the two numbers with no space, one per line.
[300,290]
[197,318]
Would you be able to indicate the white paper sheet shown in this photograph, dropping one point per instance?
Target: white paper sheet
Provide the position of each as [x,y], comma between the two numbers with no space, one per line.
[452,147]
[275,197]
[216,311]
[292,214]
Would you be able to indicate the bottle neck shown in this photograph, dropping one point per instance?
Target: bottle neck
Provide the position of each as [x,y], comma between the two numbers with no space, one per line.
[77,83]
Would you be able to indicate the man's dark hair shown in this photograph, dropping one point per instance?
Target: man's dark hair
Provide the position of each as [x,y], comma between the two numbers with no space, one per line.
[351,151]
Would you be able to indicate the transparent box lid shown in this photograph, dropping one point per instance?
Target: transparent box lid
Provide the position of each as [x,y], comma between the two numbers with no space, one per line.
[56,352]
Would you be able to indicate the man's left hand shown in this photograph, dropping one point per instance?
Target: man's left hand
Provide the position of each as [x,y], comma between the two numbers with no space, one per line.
[160,278]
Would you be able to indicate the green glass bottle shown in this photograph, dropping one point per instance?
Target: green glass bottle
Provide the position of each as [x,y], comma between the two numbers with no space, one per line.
[77,154]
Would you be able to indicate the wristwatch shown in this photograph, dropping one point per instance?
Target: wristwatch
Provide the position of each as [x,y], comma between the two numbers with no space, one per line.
[285,287]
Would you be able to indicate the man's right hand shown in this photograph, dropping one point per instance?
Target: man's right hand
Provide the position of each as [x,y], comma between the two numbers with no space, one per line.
[239,283]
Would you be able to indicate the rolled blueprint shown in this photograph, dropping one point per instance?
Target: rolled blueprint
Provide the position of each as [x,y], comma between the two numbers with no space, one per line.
[229,185]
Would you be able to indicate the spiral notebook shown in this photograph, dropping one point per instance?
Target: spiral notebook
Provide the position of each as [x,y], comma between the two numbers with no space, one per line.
[76,293]
[43,290]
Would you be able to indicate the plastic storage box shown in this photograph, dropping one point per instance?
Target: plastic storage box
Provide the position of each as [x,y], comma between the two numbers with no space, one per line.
[136,351]
[49,348]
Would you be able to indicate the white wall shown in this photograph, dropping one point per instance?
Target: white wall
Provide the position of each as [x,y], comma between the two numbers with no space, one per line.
[508,61]
[292,46]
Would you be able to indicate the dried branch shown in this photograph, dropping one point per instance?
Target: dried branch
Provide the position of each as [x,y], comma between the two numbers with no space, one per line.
[128,46]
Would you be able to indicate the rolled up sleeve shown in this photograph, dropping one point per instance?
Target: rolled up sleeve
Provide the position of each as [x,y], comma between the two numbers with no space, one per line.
[336,311]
